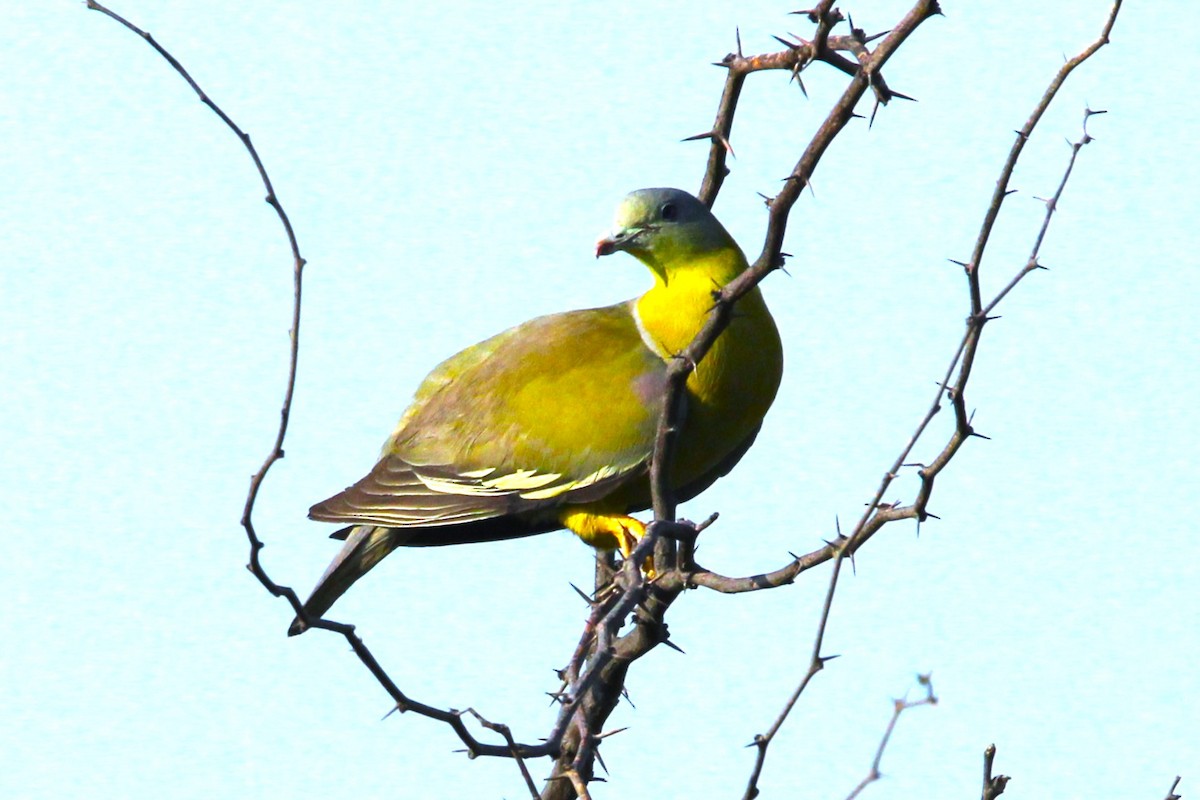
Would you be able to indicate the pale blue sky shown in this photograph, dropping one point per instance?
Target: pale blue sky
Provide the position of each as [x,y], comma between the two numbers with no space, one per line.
[447,171]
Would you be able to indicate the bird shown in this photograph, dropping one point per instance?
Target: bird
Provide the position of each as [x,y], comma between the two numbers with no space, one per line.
[551,424]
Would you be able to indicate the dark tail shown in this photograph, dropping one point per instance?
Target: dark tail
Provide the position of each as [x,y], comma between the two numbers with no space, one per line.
[366,545]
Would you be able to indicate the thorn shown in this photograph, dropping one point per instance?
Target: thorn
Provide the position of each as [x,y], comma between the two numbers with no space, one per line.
[962,264]
[823,660]
[583,594]
[902,96]
[874,110]
[980,436]
[606,734]
[875,36]
[737,34]
[673,646]
[800,83]
[726,144]
[786,43]
[699,136]
[1010,191]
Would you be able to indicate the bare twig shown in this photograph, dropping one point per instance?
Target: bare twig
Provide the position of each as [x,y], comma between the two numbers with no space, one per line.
[899,706]
[298,263]
[989,220]
[878,514]
[993,785]
[402,702]
[1171,792]
[816,663]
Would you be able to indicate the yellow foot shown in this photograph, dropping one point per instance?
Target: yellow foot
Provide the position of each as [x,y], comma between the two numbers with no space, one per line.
[608,532]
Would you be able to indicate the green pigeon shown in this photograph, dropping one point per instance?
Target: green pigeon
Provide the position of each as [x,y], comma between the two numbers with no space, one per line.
[551,424]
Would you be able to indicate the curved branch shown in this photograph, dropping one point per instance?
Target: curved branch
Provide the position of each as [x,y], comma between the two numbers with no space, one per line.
[509,749]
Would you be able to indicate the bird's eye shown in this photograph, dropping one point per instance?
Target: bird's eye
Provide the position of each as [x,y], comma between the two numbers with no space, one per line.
[668,212]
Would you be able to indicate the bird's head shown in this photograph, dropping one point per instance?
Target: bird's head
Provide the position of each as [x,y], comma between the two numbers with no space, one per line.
[665,229]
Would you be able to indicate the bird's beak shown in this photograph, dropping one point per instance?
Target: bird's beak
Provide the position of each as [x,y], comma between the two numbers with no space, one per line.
[616,240]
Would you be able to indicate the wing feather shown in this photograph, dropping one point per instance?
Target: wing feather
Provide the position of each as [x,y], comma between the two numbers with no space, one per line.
[561,409]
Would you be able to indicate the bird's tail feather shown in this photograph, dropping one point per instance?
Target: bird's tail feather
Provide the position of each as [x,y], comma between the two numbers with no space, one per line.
[366,545]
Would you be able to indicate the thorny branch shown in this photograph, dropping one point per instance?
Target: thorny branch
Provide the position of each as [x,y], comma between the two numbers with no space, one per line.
[879,513]
[799,55]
